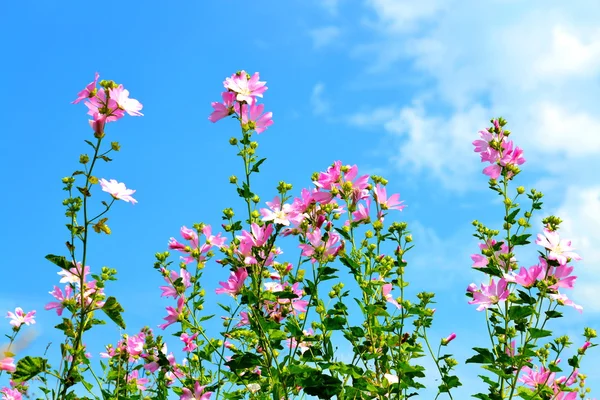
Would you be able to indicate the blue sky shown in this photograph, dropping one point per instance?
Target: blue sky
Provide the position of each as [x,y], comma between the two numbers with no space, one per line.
[398,87]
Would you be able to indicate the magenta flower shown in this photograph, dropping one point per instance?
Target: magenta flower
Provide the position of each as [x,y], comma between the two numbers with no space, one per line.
[121,96]
[88,91]
[189,341]
[170,290]
[100,104]
[386,290]
[490,295]
[362,213]
[197,394]
[535,378]
[391,203]
[559,250]
[318,249]
[174,314]
[235,283]
[243,319]
[118,190]
[19,317]
[224,109]
[247,88]
[447,340]
[482,146]
[255,117]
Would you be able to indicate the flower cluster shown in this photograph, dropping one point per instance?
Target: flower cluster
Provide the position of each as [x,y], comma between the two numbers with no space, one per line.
[496,149]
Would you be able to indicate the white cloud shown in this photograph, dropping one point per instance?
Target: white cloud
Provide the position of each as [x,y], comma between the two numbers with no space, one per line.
[580,213]
[324,36]
[535,63]
[331,6]
[319,105]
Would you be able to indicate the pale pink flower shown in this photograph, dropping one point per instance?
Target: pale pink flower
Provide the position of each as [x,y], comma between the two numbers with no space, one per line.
[386,290]
[391,203]
[118,190]
[482,146]
[8,364]
[121,96]
[255,115]
[88,91]
[135,344]
[19,317]
[73,275]
[234,285]
[224,109]
[217,241]
[563,300]
[479,260]
[133,377]
[11,394]
[197,394]
[278,213]
[526,277]
[490,295]
[559,250]
[303,346]
[535,378]
[493,171]
[62,298]
[246,89]
[170,290]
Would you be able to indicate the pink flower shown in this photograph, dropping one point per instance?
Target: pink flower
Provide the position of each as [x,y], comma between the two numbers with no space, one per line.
[490,294]
[11,394]
[133,377]
[19,317]
[224,109]
[247,88]
[386,290]
[450,338]
[8,364]
[198,393]
[97,123]
[279,214]
[88,91]
[255,117]
[482,146]
[235,283]
[243,319]
[563,300]
[135,344]
[585,346]
[189,341]
[62,299]
[318,249]
[121,96]
[391,203]
[362,212]
[100,104]
[493,171]
[174,314]
[535,378]
[560,250]
[293,344]
[171,290]
[118,190]
[73,275]
[479,260]
[526,277]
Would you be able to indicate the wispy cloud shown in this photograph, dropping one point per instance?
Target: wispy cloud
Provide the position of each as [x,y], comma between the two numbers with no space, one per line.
[324,36]
[331,6]
[320,105]
[535,63]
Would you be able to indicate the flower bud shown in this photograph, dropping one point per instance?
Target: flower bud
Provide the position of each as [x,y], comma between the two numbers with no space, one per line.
[447,340]
[521,189]
[233,179]
[233,141]
[84,159]
[115,146]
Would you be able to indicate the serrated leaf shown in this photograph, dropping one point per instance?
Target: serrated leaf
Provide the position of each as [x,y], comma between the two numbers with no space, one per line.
[113,310]
[28,368]
[536,333]
[60,261]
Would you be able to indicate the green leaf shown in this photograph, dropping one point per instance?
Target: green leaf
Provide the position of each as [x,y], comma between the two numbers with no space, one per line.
[243,361]
[28,368]
[483,356]
[520,312]
[335,323]
[353,266]
[113,310]
[343,233]
[60,261]
[536,333]
[511,217]
[257,164]
[520,240]
[553,314]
